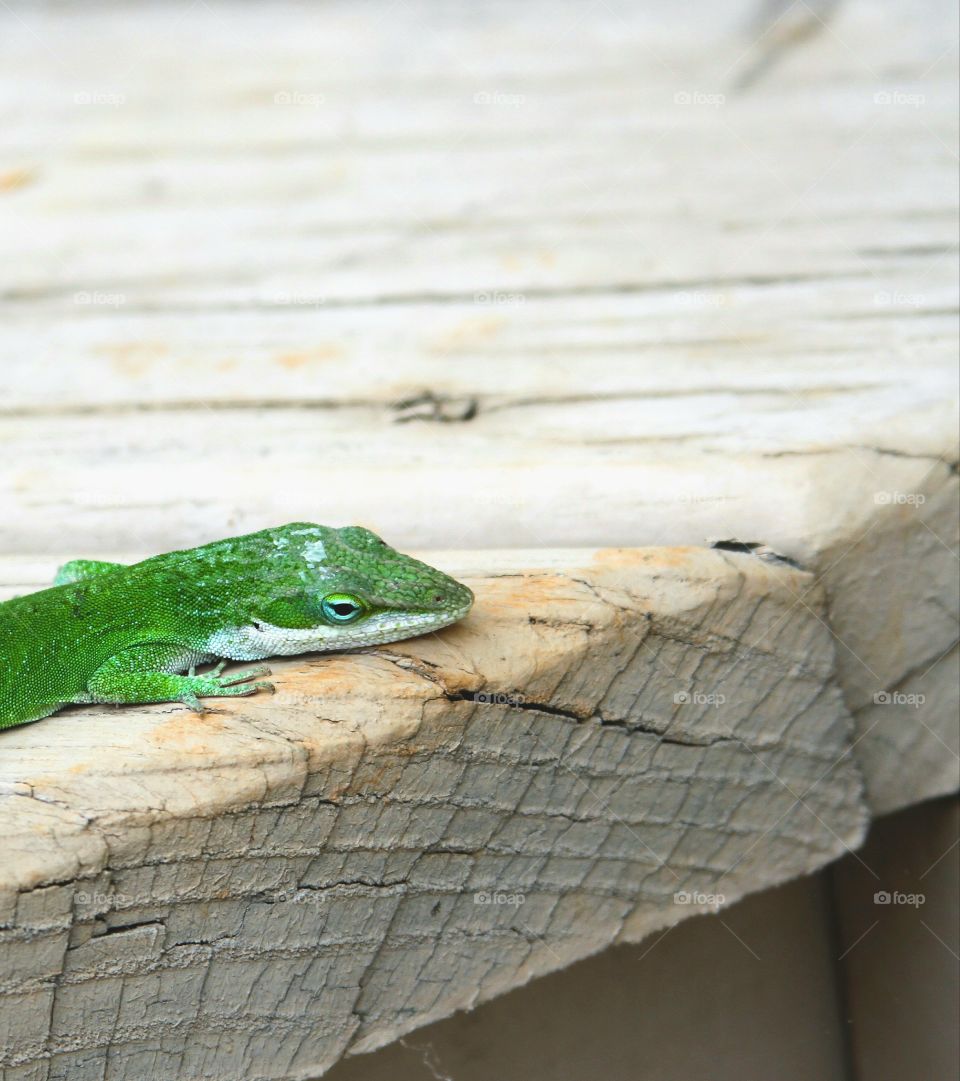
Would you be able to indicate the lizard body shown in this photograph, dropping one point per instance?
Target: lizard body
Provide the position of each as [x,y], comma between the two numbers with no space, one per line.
[109,632]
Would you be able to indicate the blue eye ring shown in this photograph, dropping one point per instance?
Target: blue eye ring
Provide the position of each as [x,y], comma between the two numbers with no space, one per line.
[340,608]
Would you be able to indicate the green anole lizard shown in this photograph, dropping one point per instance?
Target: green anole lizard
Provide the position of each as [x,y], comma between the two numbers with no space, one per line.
[110,632]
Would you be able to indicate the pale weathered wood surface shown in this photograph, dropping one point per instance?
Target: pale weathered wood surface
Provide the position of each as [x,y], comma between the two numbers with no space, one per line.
[478,277]
[708,309]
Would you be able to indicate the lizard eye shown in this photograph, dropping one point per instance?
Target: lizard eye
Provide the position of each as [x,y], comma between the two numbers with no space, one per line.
[341,607]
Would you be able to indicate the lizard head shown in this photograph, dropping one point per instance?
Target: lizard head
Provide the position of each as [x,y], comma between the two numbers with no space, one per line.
[349,589]
[365,584]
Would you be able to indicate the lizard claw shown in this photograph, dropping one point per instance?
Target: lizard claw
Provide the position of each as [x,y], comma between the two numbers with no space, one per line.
[252,688]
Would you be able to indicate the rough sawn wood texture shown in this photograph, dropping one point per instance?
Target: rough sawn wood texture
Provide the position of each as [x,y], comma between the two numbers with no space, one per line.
[611,741]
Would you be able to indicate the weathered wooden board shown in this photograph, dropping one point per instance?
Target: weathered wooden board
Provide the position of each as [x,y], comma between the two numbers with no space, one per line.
[611,741]
[574,230]
[477,276]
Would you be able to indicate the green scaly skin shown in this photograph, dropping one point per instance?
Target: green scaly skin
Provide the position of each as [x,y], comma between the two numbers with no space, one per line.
[107,632]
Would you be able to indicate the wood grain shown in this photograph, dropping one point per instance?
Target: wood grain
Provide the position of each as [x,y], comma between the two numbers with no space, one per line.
[483,278]
[612,740]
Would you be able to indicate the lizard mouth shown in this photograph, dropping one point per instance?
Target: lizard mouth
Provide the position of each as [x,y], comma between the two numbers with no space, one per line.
[391,626]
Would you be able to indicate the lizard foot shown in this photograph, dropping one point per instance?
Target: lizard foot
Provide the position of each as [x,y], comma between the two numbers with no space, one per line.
[235,684]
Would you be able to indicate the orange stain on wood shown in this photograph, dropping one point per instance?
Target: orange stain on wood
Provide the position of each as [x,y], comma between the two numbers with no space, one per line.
[189,731]
[521,593]
[14,179]
[467,333]
[645,557]
[541,258]
[134,359]
[319,355]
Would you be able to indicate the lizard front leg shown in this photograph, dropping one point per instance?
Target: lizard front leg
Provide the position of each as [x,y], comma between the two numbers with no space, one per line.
[148,673]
